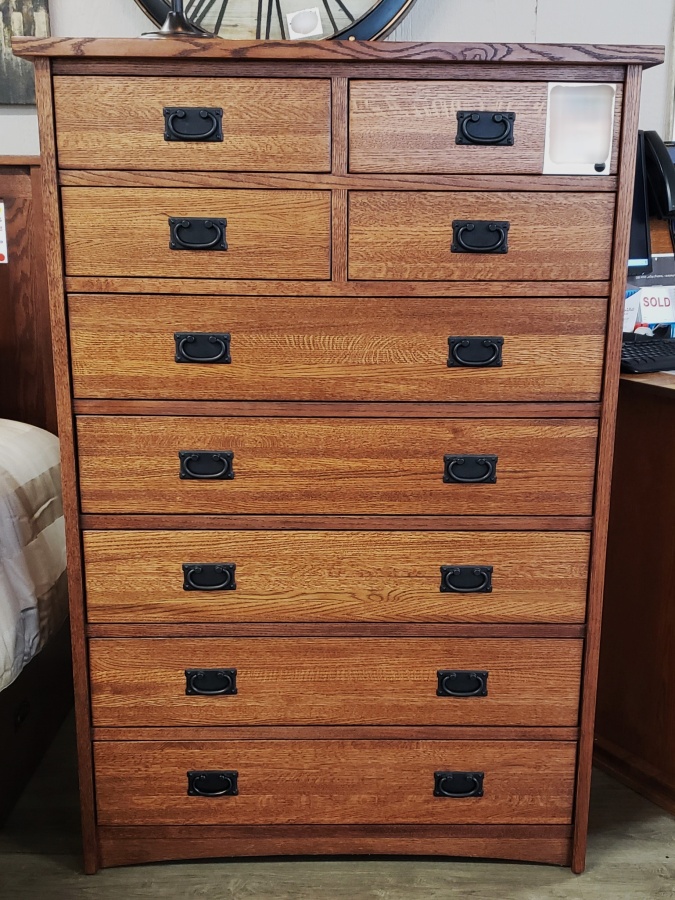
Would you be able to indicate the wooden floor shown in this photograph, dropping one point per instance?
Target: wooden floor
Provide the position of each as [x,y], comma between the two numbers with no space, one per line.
[631,857]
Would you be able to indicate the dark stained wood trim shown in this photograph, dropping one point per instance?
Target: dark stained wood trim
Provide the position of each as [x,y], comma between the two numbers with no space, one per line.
[144,844]
[337,523]
[338,180]
[380,51]
[634,772]
[52,231]
[262,69]
[624,208]
[337,630]
[338,409]
[337,732]
[30,162]
[220,286]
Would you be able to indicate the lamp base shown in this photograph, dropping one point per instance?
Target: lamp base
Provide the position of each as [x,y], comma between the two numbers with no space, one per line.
[178,26]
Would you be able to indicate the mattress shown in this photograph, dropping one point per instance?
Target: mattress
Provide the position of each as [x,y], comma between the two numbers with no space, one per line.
[33,595]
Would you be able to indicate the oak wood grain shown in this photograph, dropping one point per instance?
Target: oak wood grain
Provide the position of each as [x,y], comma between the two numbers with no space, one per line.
[339,732]
[605,460]
[269,124]
[334,681]
[380,51]
[125,231]
[343,409]
[146,843]
[365,349]
[222,521]
[94,284]
[400,235]
[57,312]
[322,782]
[349,466]
[302,576]
[410,126]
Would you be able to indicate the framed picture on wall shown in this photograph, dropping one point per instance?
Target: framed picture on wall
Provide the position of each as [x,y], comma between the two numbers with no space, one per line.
[29,17]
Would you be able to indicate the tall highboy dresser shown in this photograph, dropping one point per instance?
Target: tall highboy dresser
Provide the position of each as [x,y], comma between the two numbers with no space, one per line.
[336,330]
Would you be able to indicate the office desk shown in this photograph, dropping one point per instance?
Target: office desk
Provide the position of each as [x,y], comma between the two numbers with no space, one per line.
[635,723]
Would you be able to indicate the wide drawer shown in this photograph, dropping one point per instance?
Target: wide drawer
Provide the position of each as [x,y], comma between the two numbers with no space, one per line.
[401,236]
[129,231]
[179,124]
[413,126]
[336,466]
[335,576]
[334,681]
[334,782]
[256,348]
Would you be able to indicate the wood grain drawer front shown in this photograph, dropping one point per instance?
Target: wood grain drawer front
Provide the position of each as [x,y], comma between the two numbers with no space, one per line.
[412,126]
[408,236]
[126,231]
[267,124]
[334,782]
[335,466]
[314,349]
[337,576]
[334,681]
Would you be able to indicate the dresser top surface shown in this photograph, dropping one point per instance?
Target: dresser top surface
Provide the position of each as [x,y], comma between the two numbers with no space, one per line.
[334,51]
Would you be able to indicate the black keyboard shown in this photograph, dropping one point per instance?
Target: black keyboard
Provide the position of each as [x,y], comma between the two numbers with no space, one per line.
[648,355]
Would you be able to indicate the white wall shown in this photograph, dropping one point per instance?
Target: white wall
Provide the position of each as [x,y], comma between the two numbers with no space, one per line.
[547,21]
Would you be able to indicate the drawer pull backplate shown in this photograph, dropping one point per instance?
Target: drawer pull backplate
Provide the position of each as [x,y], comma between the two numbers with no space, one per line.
[466,579]
[209,577]
[197,234]
[196,124]
[210,682]
[456,683]
[206,465]
[458,785]
[212,784]
[202,347]
[475,352]
[480,237]
[483,128]
[463,469]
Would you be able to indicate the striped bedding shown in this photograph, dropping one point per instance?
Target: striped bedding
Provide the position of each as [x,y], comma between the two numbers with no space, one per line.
[33,596]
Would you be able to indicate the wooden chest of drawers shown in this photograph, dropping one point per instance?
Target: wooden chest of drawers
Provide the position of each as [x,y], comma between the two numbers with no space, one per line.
[337,381]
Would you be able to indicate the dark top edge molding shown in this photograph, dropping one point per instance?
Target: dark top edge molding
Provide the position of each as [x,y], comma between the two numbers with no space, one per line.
[332,51]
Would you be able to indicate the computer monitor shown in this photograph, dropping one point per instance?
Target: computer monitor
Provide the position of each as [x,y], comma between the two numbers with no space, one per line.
[639,256]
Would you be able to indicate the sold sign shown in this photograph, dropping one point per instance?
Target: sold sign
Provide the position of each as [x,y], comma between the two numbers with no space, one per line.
[657,305]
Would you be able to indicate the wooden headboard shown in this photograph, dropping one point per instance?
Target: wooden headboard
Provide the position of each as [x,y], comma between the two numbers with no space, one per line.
[26,378]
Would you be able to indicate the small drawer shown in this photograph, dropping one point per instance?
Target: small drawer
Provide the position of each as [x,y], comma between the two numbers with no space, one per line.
[169,464]
[334,681]
[191,124]
[268,348]
[447,127]
[337,576]
[198,233]
[334,782]
[485,236]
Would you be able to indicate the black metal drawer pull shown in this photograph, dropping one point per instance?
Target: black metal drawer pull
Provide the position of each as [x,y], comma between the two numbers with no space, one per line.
[470,469]
[205,465]
[475,352]
[209,577]
[480,237]
[456,683]
[458,785]
[196,124]
[210,682]
[198,234]
[466,579]
[212,784]
[202,347]
[485,128]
